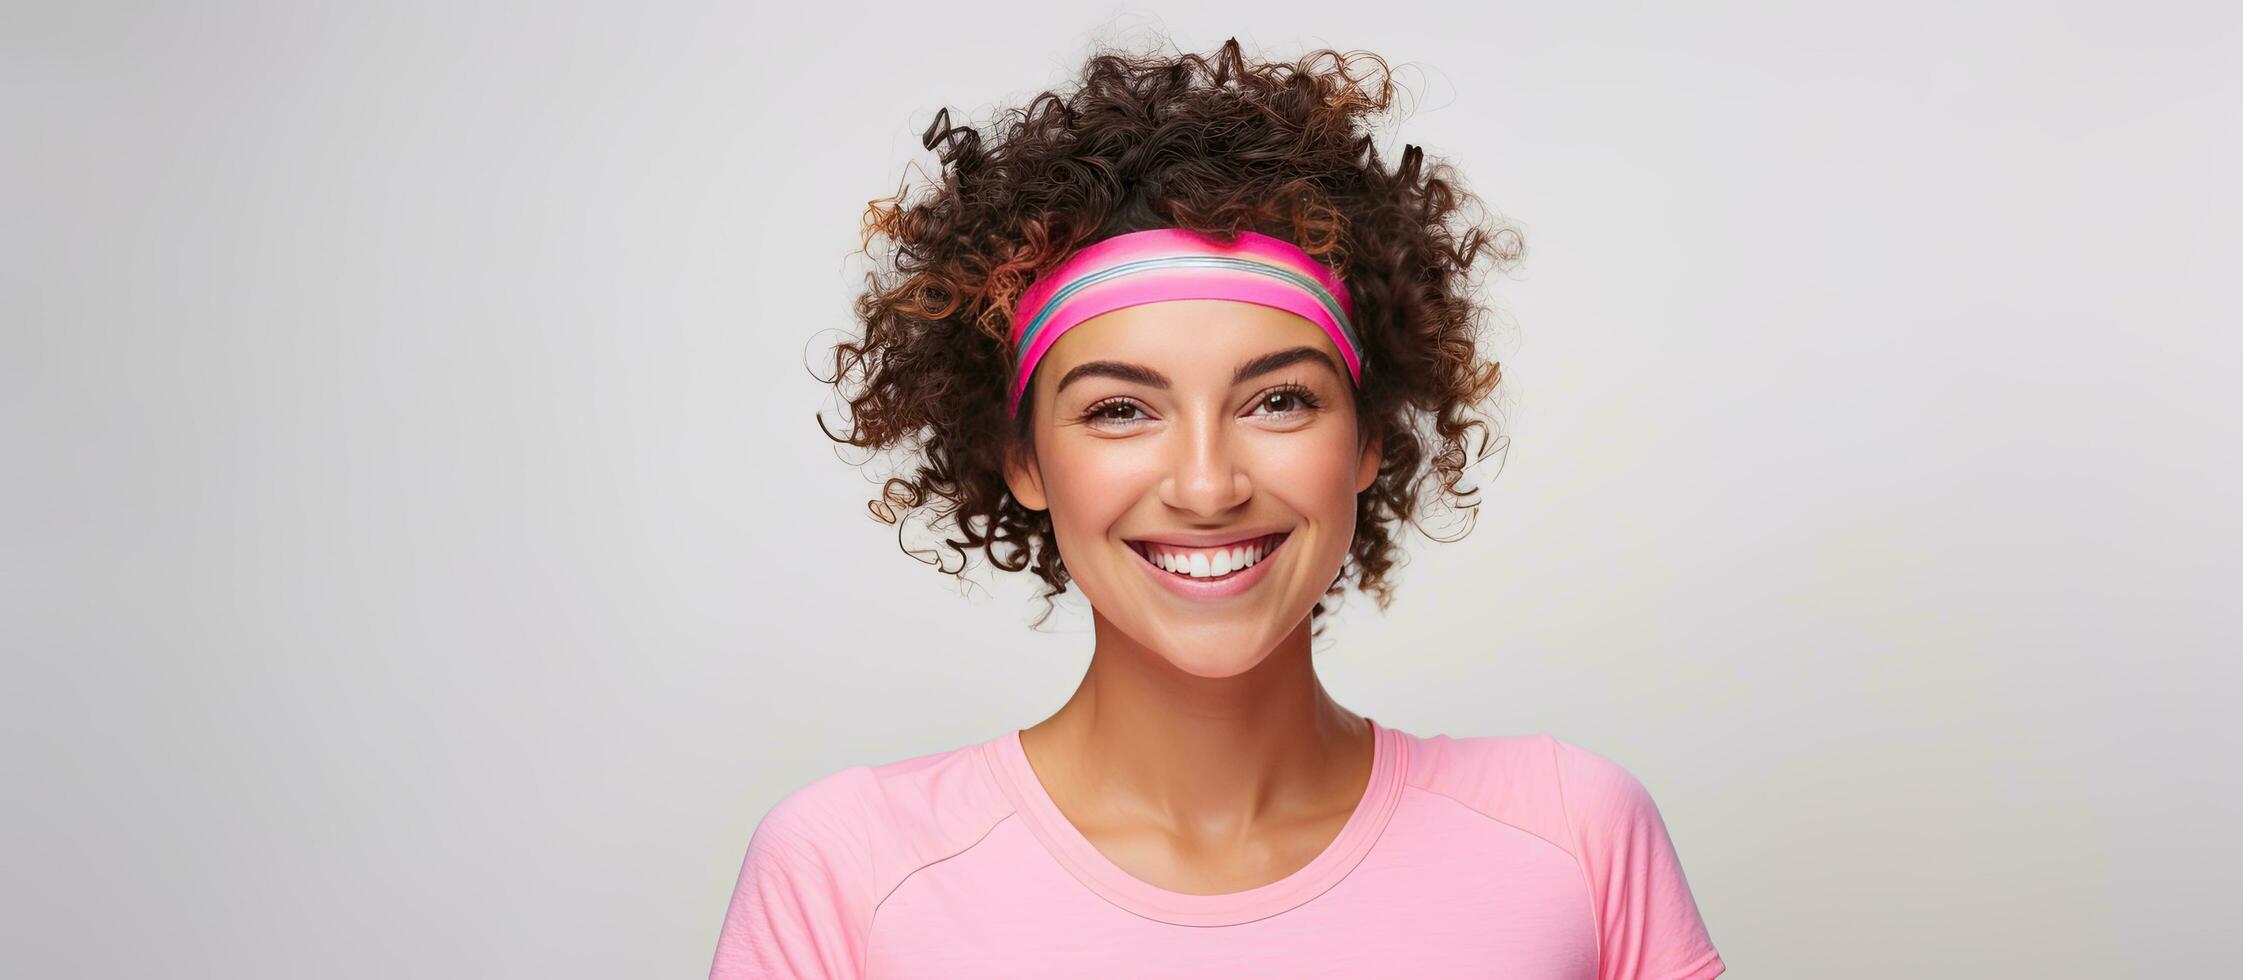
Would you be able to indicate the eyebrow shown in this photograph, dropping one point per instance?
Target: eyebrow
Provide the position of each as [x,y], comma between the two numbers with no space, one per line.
[1140,374]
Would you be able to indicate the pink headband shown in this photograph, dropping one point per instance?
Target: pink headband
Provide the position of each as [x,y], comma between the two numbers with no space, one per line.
[1173,263]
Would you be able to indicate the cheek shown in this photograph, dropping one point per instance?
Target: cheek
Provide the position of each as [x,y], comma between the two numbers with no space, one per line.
[1092,489]
[1315,475]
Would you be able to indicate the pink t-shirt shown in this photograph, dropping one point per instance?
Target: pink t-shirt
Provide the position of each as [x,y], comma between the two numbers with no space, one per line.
[1518,856]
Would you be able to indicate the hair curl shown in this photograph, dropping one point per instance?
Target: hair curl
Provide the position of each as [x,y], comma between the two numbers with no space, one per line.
[1216,144]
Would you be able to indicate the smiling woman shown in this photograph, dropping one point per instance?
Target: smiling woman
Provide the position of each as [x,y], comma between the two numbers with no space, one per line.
[1226,422]
[1273,153]
[1183,339]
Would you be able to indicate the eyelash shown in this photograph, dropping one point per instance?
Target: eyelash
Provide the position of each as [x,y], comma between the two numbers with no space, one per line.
[1307,398]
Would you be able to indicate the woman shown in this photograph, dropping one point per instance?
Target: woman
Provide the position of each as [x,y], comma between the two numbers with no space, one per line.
[1185,331]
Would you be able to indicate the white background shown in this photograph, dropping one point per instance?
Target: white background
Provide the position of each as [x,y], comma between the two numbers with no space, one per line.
[419,557]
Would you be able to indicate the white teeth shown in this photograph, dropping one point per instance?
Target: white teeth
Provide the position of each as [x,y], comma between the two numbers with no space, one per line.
[1208,564]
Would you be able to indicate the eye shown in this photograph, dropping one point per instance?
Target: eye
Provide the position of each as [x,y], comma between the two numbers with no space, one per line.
[1110,411]
[1296,395]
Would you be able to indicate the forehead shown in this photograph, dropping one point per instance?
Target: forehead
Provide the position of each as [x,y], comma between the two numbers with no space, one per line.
[1184,338]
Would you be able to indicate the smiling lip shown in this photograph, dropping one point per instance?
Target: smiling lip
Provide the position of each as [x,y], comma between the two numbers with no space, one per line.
[1210,539]
[1235,583]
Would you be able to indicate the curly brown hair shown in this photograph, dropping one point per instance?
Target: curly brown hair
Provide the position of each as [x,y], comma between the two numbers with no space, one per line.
[1215,144]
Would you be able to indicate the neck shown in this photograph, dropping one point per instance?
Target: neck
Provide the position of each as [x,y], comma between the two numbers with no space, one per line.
[1142,743]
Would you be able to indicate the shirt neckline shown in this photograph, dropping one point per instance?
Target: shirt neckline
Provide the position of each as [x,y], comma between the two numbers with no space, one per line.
[1017,779]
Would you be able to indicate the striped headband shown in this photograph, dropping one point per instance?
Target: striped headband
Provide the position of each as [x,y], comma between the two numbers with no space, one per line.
[1163,264]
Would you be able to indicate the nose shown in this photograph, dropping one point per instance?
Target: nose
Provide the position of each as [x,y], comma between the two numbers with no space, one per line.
[1202,477]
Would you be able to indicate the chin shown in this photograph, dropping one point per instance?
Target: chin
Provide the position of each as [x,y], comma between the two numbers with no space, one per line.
[1213,666]
[1215,652]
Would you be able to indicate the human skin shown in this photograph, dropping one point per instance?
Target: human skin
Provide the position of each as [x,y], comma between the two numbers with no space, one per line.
[1200,753]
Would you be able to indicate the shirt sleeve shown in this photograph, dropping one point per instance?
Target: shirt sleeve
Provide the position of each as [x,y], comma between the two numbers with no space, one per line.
[1648,926]
[802,905]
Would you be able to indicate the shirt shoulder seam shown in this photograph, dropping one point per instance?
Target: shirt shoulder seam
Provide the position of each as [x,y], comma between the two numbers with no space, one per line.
[1589,885]
[1483,814]
[872,920]
[1596,927]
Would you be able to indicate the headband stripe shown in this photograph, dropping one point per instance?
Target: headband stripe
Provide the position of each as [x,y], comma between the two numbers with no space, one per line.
[1161,286]
[1312,287]
[1163,264]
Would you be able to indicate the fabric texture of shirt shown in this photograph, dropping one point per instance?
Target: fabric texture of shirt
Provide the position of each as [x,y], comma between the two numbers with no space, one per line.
[1519,856]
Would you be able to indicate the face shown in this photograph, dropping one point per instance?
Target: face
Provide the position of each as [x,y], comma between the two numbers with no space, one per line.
[1165,430]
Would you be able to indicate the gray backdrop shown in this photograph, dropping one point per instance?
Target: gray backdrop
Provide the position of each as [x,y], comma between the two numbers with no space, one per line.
[420,558]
